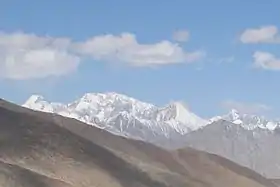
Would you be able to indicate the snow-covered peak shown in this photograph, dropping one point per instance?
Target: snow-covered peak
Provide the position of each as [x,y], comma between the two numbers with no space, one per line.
[37,102]
[183,115]
[110,99]
[234,114]
[34,99]
[248,121]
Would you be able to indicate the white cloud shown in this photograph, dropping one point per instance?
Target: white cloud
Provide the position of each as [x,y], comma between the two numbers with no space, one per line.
[265,34]
[125,48]
[247,108]
[181,35]
[266,60]
[27,56]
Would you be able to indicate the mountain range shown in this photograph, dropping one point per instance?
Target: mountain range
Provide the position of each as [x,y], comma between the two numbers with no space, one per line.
[48,150]
[249,140]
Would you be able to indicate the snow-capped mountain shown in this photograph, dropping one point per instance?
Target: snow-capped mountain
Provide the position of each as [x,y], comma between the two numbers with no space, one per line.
[130,117]
[249,140]
[123,115]
[249,122]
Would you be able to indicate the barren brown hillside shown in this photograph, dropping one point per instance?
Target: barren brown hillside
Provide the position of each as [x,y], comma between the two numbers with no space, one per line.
[11,175]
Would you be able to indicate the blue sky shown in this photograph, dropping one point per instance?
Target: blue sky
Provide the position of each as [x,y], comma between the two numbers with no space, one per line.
[227,55]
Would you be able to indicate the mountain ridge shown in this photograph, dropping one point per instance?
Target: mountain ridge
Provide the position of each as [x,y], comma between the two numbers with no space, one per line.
[58,147]
[117,113]
[174,114]
[239,137]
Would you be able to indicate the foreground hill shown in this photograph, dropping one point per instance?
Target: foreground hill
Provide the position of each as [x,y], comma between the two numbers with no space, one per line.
[11,175]
[55,151]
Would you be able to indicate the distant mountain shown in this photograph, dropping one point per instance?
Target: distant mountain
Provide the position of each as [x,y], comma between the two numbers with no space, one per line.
[119,114]
[249,140]
[249,122]
[258,149]
[47,150]
[125,116]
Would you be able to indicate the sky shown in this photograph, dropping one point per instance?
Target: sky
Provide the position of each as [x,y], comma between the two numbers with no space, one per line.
[212,55]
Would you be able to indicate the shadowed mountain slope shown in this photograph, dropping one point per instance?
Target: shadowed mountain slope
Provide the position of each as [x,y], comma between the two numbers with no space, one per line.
[57,151]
